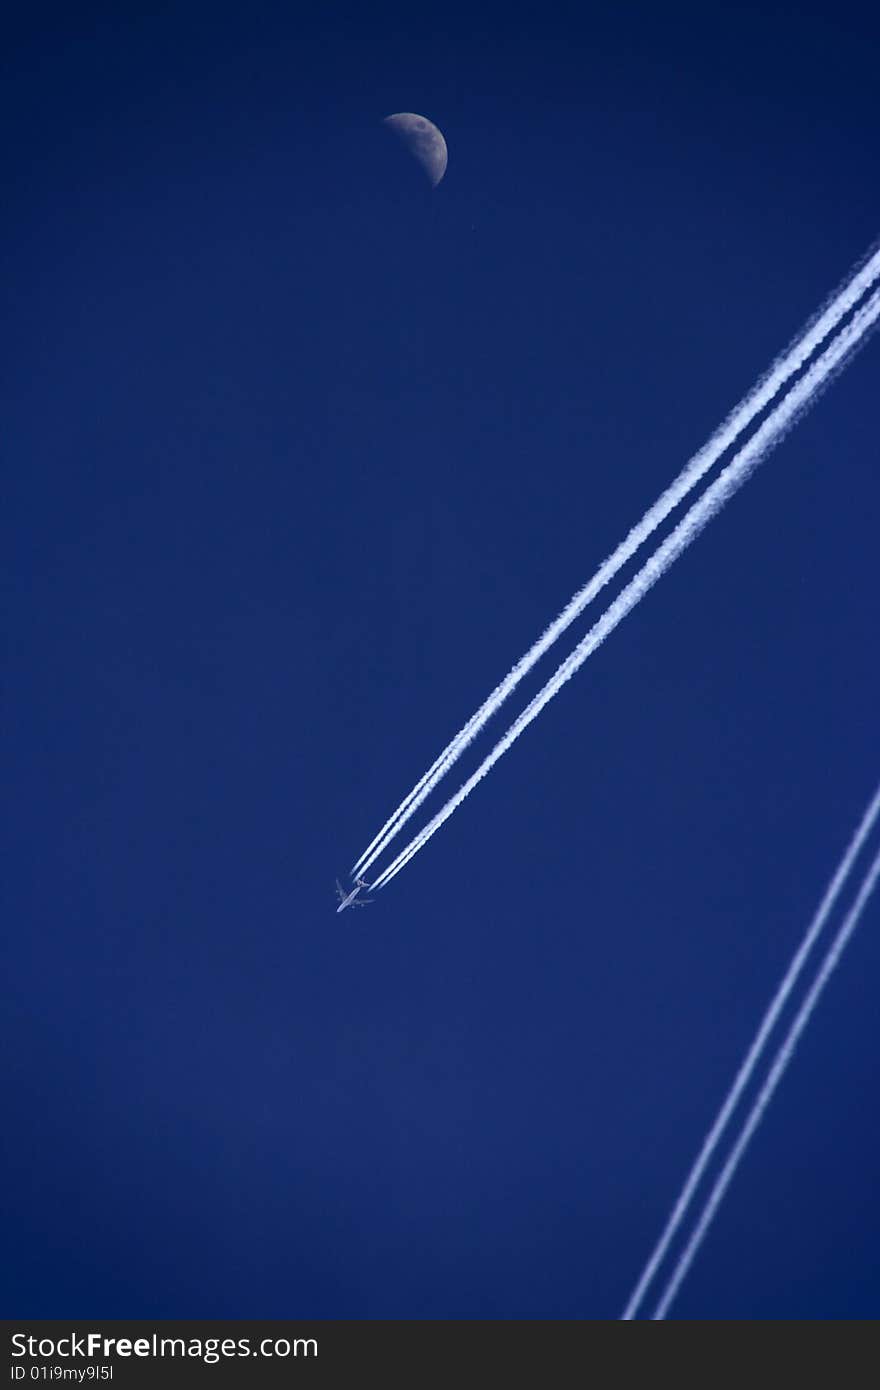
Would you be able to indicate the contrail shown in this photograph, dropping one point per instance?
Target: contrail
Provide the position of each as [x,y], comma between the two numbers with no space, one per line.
[743,1076]
[791,361]
[774,427]
[777,1071]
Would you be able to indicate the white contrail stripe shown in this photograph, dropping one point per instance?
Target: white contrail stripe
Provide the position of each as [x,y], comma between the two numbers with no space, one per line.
[785,366]
[777,1071]
[743,1076]
[703,510]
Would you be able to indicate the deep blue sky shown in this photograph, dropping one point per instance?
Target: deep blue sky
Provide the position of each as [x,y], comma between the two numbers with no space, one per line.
[299,457]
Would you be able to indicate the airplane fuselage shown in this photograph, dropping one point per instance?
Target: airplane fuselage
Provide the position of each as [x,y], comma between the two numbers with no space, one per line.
[347,901]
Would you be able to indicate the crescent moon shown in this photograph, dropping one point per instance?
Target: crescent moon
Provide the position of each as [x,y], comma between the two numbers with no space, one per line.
[423,140]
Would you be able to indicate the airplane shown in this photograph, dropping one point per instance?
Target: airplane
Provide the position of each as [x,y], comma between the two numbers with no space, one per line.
[349,899]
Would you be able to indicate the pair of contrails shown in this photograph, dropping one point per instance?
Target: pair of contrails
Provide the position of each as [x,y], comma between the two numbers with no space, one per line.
[846,319]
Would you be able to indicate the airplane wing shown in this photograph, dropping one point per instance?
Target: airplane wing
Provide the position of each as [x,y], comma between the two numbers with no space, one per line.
[339,893]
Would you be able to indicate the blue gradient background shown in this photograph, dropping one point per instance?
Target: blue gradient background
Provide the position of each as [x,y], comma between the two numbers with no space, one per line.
[299,458]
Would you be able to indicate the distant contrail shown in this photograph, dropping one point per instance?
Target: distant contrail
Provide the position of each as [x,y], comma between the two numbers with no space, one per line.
[796,355]
[743,1076]
[777,1071]
[774,427]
